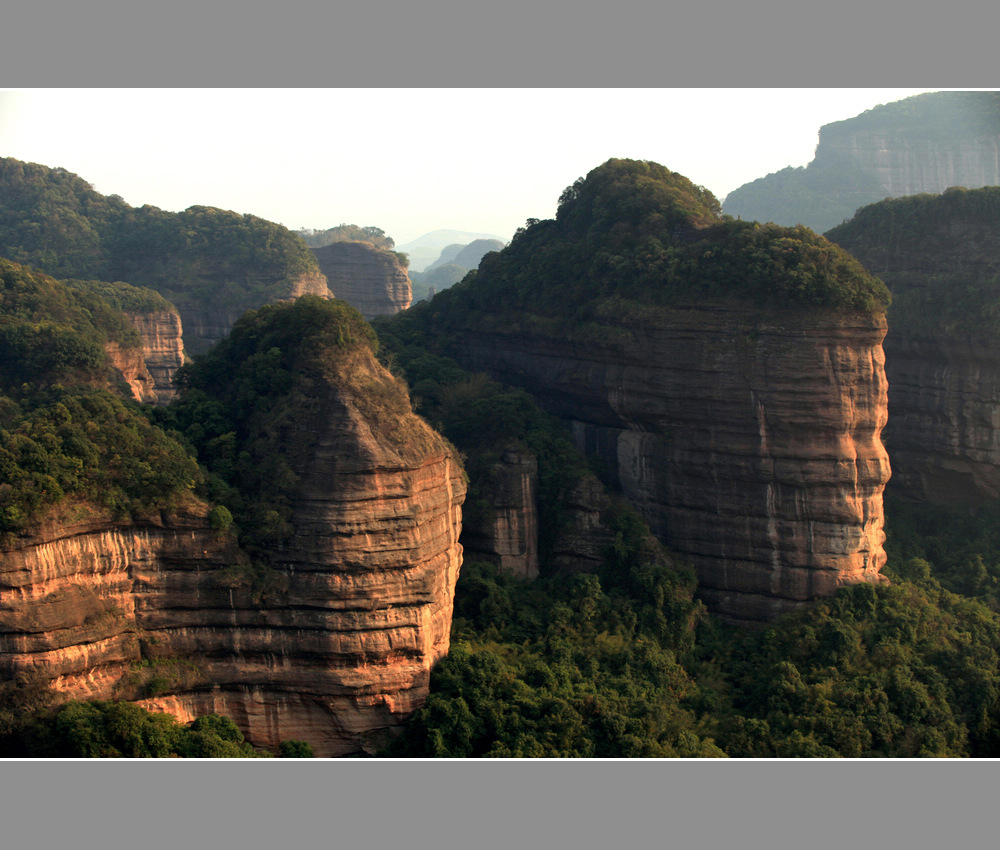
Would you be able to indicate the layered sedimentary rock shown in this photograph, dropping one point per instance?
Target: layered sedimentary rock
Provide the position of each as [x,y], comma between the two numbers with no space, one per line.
[131,365]
[506,532]
[163,349]
[944,428]
[329,639]
[905,164]
[205,323]
[940,257]
[922,144]
[749,441]
[368,278]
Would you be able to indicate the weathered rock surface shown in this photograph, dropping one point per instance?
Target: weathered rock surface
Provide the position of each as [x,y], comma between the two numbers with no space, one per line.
[750,442]
[940,257]
[368,278]
[507,532]
[131,365]
[332,642]
[205,324]
[906,165]
[944,426]
[163,350]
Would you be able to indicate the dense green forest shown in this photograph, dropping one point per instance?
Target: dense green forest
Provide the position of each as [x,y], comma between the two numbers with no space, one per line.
[938,254]
[55,221]
[66,429]
[632,236]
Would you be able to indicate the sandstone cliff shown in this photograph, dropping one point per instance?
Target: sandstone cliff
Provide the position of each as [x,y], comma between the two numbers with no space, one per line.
[925,143]
[131,365]
[939,256]
[327,637]
[369,278]
[506,531]
[749,442]
[163,350]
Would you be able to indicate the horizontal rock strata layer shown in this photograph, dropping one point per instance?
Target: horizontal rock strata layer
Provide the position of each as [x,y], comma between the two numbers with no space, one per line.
[368,278]
[163,349]
[944,431]
[750,443]
[331,641]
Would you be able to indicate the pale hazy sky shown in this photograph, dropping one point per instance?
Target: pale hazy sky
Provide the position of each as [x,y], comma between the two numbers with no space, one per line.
[409,160]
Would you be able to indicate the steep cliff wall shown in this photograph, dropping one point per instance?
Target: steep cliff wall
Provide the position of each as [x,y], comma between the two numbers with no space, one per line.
[925,143]
[369,278]
[749,442]
[906,166]
[131,365]
[944,425]
[940,257]
[506,532]
[163,349]
[328,636]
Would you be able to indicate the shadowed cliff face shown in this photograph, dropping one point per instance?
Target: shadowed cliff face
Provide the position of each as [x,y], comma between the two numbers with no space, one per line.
[329,640]
[944,433]
[939,256]
[750,443]
[205,324]
[368,278]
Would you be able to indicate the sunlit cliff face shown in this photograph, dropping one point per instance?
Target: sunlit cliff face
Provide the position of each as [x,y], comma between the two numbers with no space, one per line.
[751,445]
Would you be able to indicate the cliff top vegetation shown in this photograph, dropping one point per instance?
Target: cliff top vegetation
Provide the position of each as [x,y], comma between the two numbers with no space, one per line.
[66,428]
[938,254]
[932,115]
[635,233]
[347,233]
[55,221]
[251,406]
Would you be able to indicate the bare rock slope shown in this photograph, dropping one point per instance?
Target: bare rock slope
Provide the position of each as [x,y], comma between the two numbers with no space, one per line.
[328,638]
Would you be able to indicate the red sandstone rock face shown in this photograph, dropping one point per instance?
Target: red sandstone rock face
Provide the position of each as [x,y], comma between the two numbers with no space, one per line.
[332,644]
[131,365]
[750,443]
[163,350]
[368,278]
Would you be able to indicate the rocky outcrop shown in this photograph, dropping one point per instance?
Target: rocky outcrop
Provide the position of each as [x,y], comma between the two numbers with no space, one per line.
[940,257]
[749,441]
[944,426]
[131,365]
[371,279]
[329,639]
[904,165]
[163,350]
[506,532]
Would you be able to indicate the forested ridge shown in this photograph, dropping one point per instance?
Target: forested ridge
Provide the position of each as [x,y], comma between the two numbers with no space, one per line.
[54,221]
[939,255]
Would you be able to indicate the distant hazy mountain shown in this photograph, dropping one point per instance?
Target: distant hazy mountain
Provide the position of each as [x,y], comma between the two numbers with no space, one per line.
[424,250]
[925,143]
[454,263]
